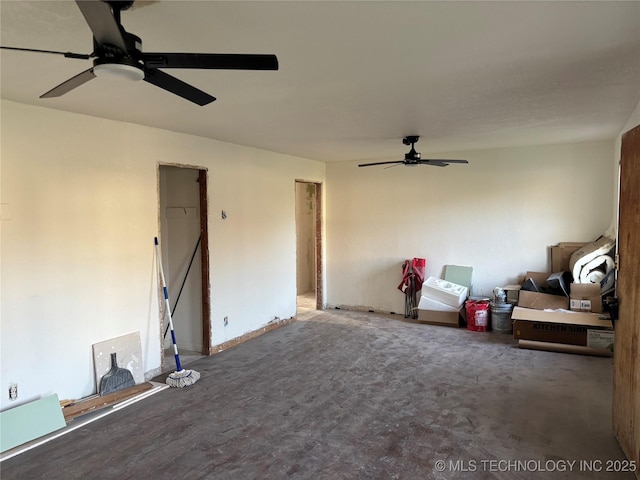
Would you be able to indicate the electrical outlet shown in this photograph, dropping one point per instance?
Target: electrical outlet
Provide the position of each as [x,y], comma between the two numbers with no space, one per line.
[226,321]
[13,391]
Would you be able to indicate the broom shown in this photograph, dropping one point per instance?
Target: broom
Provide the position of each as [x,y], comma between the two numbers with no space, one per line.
[181,377]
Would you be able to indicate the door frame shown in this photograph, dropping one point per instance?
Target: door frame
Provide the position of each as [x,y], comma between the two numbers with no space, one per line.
[204,252]
[204,261]
[626,359]
[319,243]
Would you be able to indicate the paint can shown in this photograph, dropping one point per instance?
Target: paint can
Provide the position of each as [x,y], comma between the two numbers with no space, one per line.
[501,317]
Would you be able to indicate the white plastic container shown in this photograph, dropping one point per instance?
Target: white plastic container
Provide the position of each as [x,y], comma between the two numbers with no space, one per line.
[444,291]
[434,305]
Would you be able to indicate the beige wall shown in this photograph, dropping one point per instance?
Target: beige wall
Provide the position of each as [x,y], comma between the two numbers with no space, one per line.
[634,119]
[498,214]
[80,210]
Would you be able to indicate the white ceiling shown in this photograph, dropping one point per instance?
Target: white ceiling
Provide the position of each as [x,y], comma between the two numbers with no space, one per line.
[355,76]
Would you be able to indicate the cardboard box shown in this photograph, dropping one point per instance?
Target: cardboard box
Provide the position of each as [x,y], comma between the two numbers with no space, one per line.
[512,292]
[600,339]
[437,313]
[586,297]
[541,301]
[537,300]
[540,278]
[556,327]
[561,254]
[434,317]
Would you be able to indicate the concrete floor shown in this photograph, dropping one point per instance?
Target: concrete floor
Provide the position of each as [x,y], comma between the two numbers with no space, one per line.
[343,395]
[306,303]
[187,357]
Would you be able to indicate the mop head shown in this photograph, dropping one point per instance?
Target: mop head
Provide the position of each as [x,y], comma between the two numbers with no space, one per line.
[183,378]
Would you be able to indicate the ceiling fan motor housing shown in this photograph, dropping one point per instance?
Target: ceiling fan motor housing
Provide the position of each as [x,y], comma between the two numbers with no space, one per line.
[410,140]
[107,52]
[114,62]
[120,4]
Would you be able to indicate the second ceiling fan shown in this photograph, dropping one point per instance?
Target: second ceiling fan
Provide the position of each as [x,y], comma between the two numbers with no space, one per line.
[413,158]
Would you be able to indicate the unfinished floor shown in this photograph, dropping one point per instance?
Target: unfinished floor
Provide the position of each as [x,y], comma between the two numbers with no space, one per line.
[347,395]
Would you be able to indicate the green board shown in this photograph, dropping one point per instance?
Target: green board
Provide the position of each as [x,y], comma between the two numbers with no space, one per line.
[32,420]
[459,275]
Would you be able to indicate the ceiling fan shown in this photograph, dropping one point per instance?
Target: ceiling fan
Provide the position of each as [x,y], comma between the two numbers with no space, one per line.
[413,158]
[118,53]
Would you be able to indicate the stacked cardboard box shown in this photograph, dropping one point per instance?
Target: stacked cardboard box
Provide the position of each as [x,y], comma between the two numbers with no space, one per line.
[561,254]
[544,321]
[441,302]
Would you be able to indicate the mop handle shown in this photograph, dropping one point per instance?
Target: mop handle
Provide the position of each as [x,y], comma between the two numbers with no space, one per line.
[184,280]
[167,307]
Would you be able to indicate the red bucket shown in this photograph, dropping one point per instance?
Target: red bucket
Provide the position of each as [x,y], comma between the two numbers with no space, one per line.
[477,315]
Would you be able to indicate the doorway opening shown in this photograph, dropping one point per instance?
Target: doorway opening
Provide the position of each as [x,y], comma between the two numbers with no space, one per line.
[185,259]
[309,294]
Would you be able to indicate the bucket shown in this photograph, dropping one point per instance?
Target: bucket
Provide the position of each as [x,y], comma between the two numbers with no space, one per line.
[501,317]
[477,315]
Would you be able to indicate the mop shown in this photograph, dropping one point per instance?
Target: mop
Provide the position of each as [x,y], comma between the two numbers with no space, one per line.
[181,377]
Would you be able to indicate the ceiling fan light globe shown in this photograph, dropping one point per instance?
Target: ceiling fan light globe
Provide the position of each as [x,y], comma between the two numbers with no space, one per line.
[119,71]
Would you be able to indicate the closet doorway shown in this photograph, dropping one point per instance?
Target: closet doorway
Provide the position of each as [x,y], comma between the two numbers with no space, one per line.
[308,245]
[185,259]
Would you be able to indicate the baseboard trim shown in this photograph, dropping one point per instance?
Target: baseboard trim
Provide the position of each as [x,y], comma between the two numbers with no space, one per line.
[250,335]
[153,373]
[361,308]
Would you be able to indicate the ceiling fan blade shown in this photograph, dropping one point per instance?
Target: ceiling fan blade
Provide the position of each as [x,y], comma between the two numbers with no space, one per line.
[433,163]
[80,56]
[70,84]
[102,23]
[176,86]
[444,160]
[381,163]
[226,61]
